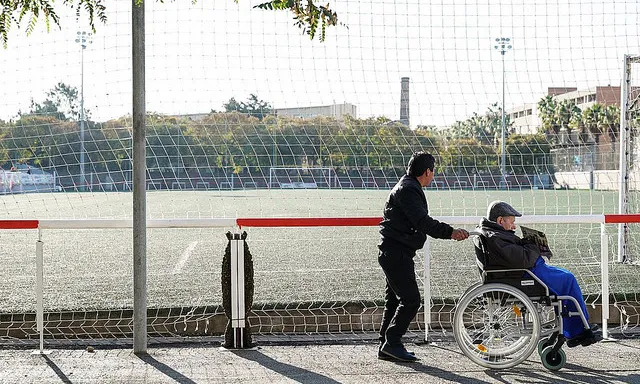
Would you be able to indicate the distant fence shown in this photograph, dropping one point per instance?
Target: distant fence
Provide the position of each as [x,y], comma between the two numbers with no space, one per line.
[251,181]
[24,182]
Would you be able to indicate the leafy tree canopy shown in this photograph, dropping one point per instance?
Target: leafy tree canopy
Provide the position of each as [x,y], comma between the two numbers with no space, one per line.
[252,107]
[307,15]
[485,128]
[61,102]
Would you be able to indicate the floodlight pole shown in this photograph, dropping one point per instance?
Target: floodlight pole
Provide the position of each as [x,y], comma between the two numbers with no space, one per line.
[139,181]
[503,45]
[83,39]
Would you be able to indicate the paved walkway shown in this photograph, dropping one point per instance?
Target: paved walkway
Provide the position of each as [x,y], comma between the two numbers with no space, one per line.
[356,362]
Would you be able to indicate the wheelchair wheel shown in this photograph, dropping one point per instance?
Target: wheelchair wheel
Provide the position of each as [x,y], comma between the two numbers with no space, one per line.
[542,344]
[496,325]
[553,361]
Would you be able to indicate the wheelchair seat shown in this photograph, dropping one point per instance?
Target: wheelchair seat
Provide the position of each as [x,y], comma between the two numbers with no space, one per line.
[522,279]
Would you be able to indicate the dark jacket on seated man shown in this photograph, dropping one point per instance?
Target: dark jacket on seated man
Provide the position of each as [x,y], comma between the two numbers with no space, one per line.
[505,249]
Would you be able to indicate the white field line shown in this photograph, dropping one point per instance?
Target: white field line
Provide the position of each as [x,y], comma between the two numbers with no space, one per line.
[185,256]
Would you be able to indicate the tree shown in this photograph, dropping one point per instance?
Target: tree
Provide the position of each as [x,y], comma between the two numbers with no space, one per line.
[575,121]
[564,111]
[307,14]
[253,107]
[546,111]
[611,120]
[527,152]
[432,129]
[61,102]
[593,119]
[485,128]
[464,156]
[39,140]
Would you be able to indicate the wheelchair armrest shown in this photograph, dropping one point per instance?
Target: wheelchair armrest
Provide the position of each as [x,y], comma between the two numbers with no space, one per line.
[485,274]
[513,270]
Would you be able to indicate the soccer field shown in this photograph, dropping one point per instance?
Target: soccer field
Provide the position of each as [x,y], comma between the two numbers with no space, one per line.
[92,269]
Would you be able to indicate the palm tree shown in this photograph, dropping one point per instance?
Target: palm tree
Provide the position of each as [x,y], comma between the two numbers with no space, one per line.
[563,112]
[594,121]
[611,120]
[576,123]
[546,110]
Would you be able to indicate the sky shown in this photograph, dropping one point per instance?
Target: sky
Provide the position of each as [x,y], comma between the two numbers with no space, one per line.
[200,55]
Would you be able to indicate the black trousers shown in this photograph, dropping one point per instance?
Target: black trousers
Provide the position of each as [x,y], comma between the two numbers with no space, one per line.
[402,296]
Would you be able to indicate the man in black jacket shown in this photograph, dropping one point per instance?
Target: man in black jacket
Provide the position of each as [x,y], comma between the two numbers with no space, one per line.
[508,251]
[404,229]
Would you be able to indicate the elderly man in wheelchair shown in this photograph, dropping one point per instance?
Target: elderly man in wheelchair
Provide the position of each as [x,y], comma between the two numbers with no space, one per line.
[521,302]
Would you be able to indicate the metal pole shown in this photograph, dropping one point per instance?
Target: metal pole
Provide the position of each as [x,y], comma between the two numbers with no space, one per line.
[604,271]
[82,178]
[427,289]
[503,44]
[622,189]
[139,182]
[39,293]
[503,169]
[83,39]
[273,163]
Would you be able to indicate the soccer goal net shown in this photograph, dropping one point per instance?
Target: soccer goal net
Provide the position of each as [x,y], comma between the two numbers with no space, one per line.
[307,177]
[247,117]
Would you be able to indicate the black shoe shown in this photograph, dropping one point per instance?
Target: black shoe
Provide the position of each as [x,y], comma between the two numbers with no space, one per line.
[397,353]
[586,338]
[382,356]
[592,340]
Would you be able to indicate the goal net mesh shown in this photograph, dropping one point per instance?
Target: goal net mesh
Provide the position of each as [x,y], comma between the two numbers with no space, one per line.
[248,117]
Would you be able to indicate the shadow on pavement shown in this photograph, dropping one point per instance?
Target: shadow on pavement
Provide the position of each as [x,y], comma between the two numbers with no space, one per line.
[570,373]
[298,374]
[167,370]
[439,373]
[56,369]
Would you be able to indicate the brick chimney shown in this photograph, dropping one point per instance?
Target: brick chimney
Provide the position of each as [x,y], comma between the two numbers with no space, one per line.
[404,101]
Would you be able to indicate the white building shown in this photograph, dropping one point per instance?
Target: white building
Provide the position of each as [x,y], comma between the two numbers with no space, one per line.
[525,118]
[337,111]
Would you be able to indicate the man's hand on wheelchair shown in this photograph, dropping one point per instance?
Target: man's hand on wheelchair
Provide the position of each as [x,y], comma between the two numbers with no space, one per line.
[459,234]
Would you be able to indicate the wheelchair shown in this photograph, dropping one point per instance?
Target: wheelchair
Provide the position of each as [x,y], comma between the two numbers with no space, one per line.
[501,320]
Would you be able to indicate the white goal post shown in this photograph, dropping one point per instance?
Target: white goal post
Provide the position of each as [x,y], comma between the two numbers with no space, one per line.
[303,177]
[629,177]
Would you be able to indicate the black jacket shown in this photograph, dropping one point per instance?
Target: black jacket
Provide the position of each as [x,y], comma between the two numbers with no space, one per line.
[506,250]
[406,217]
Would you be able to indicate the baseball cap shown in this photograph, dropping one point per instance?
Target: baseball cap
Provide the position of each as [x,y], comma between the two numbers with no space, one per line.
[500,208]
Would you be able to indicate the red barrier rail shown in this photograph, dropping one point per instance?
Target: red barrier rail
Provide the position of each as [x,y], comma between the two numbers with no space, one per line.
[310,222]
[629,218]
[19,224]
